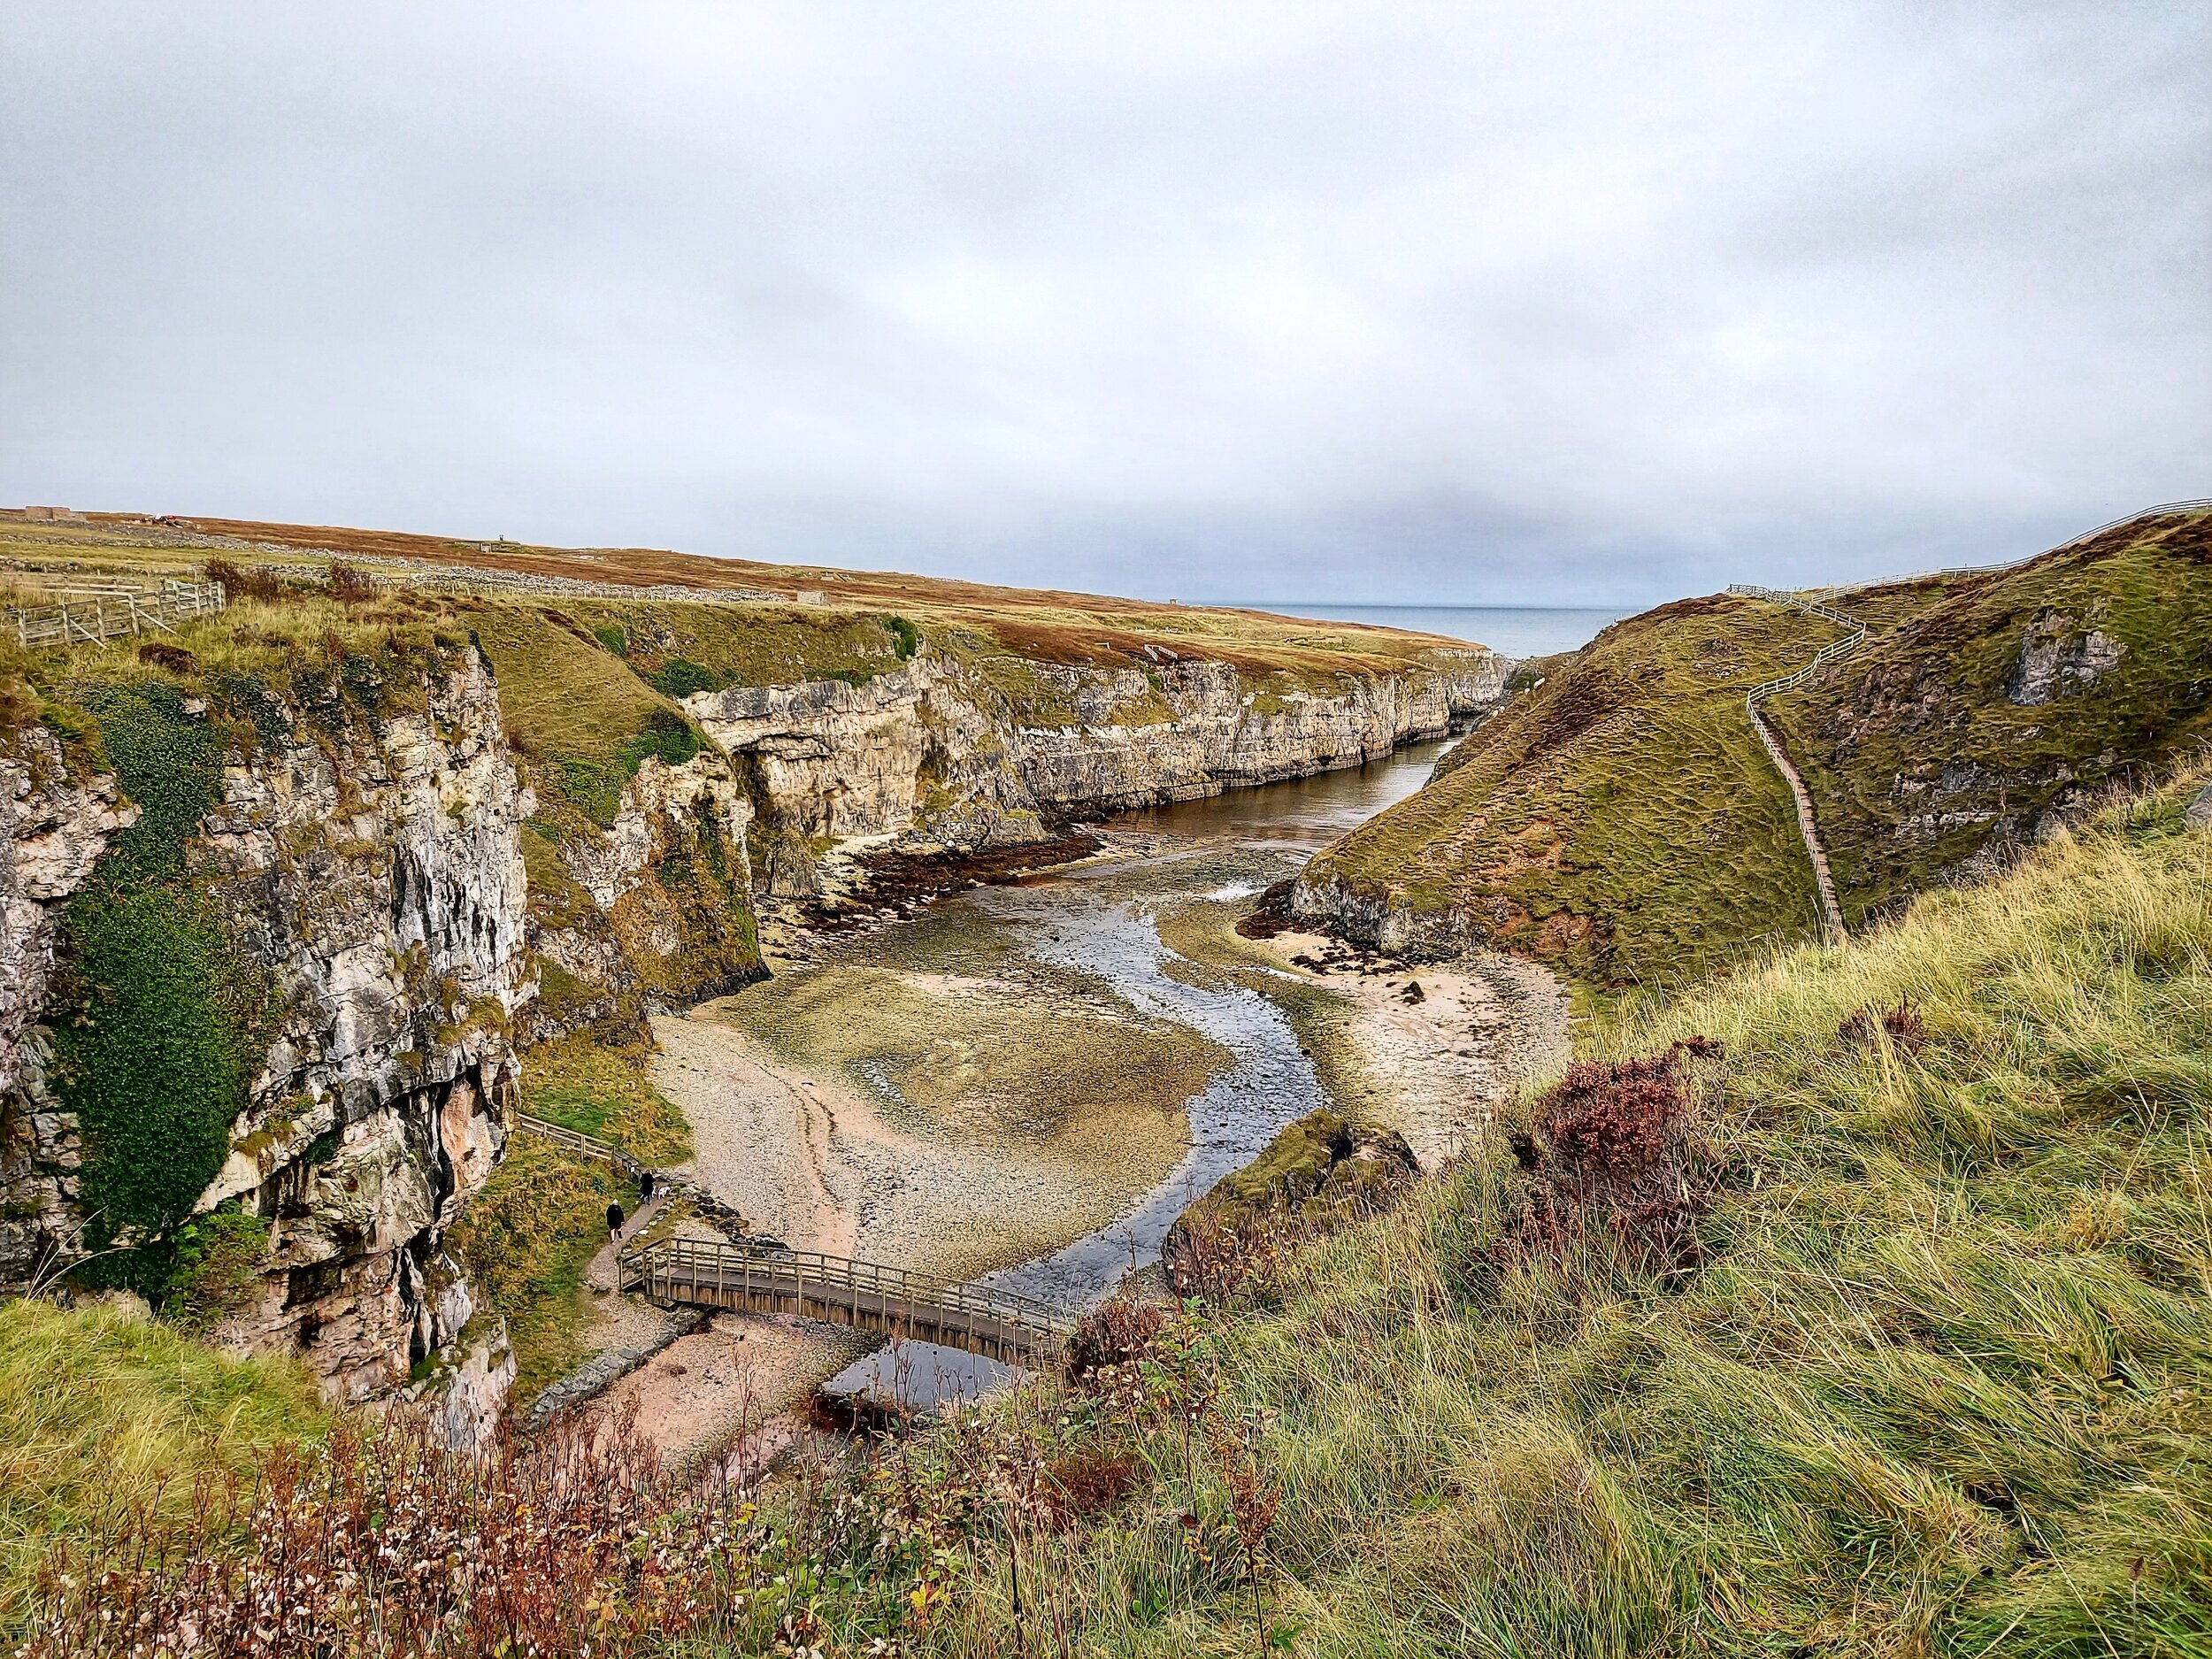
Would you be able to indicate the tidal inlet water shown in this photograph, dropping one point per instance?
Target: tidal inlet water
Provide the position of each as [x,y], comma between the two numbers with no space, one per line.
[1025,1084]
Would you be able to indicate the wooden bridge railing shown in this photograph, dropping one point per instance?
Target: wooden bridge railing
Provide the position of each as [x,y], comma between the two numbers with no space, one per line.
[735,1278]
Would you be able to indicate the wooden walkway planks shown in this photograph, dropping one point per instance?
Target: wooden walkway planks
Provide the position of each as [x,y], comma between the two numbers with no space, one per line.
[741,1279]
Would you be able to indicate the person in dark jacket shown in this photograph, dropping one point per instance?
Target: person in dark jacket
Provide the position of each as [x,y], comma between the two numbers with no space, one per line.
[645,1188]
[614,1223]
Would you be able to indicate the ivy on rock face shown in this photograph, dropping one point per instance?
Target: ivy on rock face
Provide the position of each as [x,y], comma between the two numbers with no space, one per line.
[154,1041]
[596,790]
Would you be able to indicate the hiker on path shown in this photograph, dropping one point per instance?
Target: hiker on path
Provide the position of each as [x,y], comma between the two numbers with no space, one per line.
[614,1223]
[645,1189]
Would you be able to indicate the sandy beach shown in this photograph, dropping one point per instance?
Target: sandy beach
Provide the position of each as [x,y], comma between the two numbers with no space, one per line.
[1435,1065]
[808,1157]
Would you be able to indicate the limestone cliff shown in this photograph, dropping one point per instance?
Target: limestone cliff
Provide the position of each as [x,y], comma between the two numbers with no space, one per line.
[377,875]
[356,883]
[271,942]
[935,751]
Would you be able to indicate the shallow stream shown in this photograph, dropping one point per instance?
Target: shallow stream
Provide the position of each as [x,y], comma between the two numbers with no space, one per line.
[1101,924]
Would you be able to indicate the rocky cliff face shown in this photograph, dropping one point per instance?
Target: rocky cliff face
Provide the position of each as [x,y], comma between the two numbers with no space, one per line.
[653,910]
[367,875]
[378,875]
[935,752]
[2000,709]
[58,826]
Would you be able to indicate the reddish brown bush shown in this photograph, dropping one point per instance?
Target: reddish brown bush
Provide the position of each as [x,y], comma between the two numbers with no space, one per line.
[1113,1333]
[1087,1484]
[1902,1025]
[240,583]
[351,585]
[382,1542]
[1612,1150]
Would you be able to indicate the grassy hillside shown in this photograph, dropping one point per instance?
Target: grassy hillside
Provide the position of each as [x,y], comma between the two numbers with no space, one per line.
[529,1236]
[105,1416]
[1619,819]
[1991,702]
[1885,1330]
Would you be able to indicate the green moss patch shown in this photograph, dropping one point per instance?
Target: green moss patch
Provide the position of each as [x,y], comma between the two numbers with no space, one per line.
[982,1060]
[159,1015]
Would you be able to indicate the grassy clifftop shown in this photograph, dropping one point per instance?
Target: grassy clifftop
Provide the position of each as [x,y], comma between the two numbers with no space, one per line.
[778,638]
[1619,819]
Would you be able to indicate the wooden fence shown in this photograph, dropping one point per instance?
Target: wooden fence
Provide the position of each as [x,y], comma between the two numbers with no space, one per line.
[93,613]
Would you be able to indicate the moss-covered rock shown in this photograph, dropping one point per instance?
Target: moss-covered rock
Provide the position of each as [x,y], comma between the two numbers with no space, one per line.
[1320,1172]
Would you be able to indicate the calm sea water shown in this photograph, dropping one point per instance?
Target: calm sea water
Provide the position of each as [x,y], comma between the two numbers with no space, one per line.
[1516,630]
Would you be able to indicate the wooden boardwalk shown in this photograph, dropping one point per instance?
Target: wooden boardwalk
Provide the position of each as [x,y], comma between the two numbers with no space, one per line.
[741,1278]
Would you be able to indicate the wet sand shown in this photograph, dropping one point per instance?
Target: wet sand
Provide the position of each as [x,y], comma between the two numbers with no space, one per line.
[804,1154]
[728,1387]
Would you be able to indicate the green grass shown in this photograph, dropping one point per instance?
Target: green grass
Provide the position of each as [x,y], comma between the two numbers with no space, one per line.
[529,1235]
[681,649]
[602,1089]
[1620,820]
[101,1414]
[526,1240]
[1939,1386]
[1917,758]
[578,712]
[158,1012]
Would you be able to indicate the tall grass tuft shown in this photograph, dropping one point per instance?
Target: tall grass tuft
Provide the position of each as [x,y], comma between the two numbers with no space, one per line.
[105,1415]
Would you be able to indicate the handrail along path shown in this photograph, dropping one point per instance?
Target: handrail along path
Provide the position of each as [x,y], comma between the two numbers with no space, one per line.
[1832,913]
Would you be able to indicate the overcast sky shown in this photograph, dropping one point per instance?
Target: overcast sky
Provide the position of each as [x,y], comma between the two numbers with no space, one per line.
[1502,303]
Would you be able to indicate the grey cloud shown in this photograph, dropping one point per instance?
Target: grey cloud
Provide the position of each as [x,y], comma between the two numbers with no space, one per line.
[1521,302]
